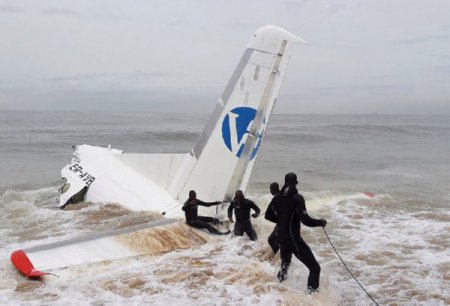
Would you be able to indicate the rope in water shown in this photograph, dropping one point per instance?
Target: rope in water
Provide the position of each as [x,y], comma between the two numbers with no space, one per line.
[348,270]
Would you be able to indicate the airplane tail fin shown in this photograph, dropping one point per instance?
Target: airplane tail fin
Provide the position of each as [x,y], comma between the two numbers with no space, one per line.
[224,155]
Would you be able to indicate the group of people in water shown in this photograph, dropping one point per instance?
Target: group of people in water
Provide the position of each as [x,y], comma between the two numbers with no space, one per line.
[287,210]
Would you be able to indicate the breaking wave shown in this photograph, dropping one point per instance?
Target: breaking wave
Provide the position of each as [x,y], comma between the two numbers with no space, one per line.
[383,244]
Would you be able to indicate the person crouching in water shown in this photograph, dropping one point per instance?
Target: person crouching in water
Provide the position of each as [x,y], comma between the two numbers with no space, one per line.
[242,207]
[190,209]
[289,207]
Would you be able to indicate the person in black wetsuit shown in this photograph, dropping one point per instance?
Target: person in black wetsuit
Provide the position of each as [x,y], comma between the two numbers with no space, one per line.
[270,215]
[242,207]
[190,209]
[289,208]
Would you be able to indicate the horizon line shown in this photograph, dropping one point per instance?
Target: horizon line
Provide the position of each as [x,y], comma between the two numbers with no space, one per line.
[205,113]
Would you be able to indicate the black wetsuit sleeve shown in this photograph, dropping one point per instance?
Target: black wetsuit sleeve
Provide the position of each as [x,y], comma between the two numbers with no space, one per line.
[201,203]
[185,205]
[270,214]
[303,214]
[230,209]
[255,208]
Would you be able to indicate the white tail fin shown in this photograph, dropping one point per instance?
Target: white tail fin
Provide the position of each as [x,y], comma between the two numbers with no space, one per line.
[224,155]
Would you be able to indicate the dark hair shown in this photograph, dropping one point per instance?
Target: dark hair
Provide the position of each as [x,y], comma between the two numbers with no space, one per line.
[239,194]
[290,179]
[274,188]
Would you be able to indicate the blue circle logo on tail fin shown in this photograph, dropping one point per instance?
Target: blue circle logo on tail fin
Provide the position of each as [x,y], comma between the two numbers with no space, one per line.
[235,128]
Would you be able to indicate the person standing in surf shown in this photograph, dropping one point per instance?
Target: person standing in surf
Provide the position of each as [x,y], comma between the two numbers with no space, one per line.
[242,207]
[190,209]
[289,208]
[270,215]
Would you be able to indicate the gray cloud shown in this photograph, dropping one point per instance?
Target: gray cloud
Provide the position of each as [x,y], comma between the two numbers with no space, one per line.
[295,5]
[77,14]
[119,99]
[383,52]
[177,23]
[349,88]
[109,17]
[121,76]
[423,39]
[445,69]
[242,24]
[7,9]
[336,7]
[62,12]
[148,75]
[79,77]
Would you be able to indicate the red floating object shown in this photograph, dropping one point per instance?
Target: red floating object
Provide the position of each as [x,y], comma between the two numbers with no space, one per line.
[22,263]
[369,194]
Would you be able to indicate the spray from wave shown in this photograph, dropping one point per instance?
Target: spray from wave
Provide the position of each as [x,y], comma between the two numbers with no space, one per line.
[383,244]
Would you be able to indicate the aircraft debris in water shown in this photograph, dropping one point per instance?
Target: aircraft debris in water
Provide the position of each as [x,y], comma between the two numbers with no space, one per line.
[219,163]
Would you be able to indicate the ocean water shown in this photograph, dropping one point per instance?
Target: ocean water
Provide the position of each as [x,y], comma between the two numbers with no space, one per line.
[396,243]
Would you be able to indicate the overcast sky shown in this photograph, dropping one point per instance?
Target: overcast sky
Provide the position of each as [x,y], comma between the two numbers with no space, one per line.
[365,56]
